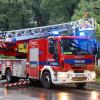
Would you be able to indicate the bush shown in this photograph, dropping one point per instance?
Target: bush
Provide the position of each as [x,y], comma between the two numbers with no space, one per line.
[97,70]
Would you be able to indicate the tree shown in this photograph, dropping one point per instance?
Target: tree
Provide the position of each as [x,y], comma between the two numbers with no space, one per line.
[15,14]
[60,10]
[40,13]
[91,6]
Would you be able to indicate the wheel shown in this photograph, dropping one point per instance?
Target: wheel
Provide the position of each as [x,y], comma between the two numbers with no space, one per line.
[34,82]
[31,80]
[15,79]
[9,77]
[80,85]
[46,80]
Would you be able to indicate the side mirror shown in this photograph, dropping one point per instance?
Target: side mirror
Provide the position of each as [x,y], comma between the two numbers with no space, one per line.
[95,50]
[51,50]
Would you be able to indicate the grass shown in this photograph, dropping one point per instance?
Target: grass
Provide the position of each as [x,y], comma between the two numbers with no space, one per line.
[98,80]
[97,70]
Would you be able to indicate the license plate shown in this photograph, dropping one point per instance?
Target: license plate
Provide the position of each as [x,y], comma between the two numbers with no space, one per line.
[79,75]
[79,78]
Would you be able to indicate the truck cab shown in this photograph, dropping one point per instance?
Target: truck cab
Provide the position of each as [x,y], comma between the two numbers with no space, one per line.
[61,60]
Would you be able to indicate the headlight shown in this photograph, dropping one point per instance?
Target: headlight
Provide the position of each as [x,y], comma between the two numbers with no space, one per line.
[62,75]
[93,75]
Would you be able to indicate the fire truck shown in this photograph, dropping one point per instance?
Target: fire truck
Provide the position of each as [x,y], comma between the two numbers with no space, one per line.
[52,56]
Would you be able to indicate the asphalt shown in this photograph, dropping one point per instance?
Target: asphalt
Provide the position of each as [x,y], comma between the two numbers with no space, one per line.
[37,92]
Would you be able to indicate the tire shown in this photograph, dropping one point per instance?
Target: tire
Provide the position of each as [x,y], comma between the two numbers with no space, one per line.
[34,82]
[80,85]
[9,77]
[31,81]
[15,79]
[46,80]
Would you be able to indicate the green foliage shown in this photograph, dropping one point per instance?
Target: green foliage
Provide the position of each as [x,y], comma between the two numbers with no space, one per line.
[90,6]
[40,13]
[98,32]
[17,14]
[60,10]
[97,70]
[93,7]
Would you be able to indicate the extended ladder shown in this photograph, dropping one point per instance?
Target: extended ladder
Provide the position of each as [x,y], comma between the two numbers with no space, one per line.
[29,33]
[13,40]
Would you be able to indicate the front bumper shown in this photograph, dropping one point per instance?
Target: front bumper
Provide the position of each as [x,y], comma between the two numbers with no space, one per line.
[71,77]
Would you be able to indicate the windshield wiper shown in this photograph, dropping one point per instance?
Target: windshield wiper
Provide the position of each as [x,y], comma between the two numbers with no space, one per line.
[86,51]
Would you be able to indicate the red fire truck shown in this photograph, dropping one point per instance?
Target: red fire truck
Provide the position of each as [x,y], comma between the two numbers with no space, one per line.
[53,59]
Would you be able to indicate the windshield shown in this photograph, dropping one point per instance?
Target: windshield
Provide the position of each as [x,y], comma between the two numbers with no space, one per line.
[75,46]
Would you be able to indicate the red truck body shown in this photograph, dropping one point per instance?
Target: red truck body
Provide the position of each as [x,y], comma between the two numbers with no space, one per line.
[58,67]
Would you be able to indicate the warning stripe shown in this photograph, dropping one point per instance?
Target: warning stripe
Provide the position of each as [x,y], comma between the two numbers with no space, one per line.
[0,45]
[16,84]
[3,45]
[19,83]
[24,83]
[10,84]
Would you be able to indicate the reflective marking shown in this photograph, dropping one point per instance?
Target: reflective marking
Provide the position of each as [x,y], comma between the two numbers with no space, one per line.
[15,84]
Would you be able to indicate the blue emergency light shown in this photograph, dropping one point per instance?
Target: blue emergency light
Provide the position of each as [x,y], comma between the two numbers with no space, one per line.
[55,33]
[81,34]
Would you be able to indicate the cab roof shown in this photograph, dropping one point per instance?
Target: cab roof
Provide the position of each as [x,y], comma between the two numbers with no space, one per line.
[70,37]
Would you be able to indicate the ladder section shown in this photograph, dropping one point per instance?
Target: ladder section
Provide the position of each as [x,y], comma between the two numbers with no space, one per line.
[29,33]
[15,42]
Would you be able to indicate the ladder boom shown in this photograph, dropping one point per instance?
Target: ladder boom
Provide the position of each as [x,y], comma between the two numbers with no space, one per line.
[10,40]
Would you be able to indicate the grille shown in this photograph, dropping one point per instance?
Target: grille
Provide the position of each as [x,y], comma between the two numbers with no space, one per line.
[78,71]
[78,65]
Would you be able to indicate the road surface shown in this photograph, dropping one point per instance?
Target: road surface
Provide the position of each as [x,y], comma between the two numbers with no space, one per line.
[69,92]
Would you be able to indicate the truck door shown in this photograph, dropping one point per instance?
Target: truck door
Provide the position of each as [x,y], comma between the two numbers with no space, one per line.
[53,57]
[34,59]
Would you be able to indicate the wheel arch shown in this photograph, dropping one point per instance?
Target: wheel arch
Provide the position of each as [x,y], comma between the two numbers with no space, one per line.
[48,69]
[8,68]
[45,70]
